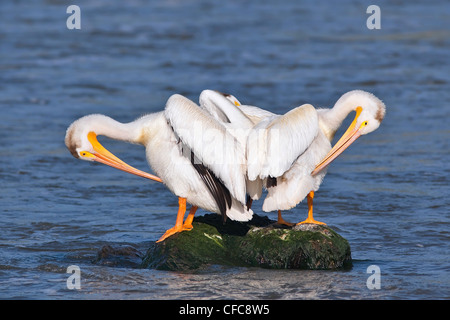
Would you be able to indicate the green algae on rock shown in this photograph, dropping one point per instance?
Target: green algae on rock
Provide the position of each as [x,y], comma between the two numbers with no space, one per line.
[257,243]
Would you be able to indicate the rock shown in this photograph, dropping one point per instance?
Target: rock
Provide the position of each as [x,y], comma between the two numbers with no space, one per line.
[119,256]
[257,243]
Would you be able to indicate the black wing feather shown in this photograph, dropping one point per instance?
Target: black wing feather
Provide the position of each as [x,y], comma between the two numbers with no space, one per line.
[271,182]
[218,190]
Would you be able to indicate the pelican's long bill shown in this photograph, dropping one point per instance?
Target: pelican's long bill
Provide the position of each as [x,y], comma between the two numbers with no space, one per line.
[102,155]
[350,135]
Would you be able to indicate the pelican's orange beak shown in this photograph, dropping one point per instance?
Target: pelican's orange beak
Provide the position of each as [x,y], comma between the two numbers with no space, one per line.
[104,156]
[344,142]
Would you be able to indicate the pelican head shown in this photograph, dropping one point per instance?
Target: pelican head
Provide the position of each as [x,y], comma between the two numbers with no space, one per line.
[370,113]
[232,99]
[81,140]
[369,109]
[208,96]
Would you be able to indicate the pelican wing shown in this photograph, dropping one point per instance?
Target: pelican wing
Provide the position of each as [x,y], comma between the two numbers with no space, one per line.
[238,120]
[255,114]
[230,116]
[277,141]
[211,143]
[223,110]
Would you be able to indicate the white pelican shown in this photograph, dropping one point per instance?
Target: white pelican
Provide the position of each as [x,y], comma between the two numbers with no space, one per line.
[238,122]
[292,151]
[185,147]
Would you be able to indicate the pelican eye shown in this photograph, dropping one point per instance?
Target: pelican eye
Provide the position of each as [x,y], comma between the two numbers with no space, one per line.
[86,154]
[366,123]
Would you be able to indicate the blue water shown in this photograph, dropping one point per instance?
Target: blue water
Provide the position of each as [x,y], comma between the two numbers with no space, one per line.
[388,194]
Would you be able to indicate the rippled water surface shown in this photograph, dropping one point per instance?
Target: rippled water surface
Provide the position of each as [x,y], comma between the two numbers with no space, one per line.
[388,194]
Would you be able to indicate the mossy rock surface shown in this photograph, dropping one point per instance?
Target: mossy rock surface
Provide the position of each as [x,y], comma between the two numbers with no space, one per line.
[257,243]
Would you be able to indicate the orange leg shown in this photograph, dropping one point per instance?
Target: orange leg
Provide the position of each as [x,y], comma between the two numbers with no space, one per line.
[188,222]
[179,226]
[282,221]
[310,218]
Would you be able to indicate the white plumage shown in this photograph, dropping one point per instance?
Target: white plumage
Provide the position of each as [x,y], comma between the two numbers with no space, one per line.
[169,137]
[214,154]
[210,141]
[292,151]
